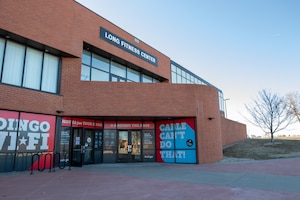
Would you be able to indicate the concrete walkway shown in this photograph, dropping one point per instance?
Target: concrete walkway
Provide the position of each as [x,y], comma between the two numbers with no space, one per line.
[272,179]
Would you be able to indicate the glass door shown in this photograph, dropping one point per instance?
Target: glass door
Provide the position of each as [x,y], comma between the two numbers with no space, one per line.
[82,146]
[123,151]
[89,138]
[77,147]
[129,146]
[98,147]
[135,154]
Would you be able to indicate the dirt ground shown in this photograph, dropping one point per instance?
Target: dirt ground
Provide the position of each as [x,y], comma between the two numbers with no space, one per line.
[261,149]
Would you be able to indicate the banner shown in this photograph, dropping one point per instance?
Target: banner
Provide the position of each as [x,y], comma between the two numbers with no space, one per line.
[26,134]
[176,141]
[128,125]
[127,46]
[29,133]
[81,122]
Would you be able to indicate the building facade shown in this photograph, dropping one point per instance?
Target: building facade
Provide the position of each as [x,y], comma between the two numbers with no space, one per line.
[76,88]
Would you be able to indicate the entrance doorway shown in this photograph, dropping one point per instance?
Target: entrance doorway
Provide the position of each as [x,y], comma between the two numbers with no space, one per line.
[129,146]
[82,146]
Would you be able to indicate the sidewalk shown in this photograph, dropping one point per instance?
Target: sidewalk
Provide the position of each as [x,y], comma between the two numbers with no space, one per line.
[271,179]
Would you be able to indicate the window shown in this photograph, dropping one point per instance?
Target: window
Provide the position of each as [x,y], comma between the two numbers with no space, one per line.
[173,77]
[182,76]
[192,79]
[118,69]
[94,67]
[188,77]
[133,75]
[50,73]
[155,80]
[98,75]
[178,79]
[27,67]
[146,79]
[173,68]
[86,57]
[100,63]
[33,69]
[221,101]
[85,73]
[13,63]
[2,43]
[97,68]
[178,71]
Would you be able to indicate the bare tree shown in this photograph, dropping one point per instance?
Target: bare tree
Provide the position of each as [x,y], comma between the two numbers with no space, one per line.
[269,112]
[293,101]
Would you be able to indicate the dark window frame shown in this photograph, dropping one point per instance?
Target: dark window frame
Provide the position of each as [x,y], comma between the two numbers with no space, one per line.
[21,85]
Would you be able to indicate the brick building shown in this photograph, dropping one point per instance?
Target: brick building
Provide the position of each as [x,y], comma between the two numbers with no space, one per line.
[74,85]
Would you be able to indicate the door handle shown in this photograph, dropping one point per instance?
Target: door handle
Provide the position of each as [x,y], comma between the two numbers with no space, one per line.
[129,148]
[82,149]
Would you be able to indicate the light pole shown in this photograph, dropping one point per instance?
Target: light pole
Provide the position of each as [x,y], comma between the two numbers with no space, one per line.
[225,106]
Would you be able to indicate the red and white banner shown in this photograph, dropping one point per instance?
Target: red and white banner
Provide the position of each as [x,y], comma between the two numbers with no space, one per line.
[81,122]
[98,124]
[27,133]
[110,125]
[128,125]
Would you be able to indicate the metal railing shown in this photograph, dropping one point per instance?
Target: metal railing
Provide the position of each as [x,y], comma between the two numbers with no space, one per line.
[22,161]
[51,159]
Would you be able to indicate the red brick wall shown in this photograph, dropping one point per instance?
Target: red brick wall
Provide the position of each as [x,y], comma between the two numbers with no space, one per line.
[66,24]
[48,22]
[232,131]
[146,99]
[129,99]
[15,98]
[209,128]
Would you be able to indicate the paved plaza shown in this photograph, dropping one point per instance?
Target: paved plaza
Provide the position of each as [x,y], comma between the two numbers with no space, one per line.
[271,179]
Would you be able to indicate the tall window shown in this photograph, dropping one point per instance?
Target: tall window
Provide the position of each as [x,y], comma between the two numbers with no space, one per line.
[98,68]
[33,70]
[2,43]
[27,67]
[50,73]
[13,63]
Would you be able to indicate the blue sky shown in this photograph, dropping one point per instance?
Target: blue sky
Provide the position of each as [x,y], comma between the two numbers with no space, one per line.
[240,46]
